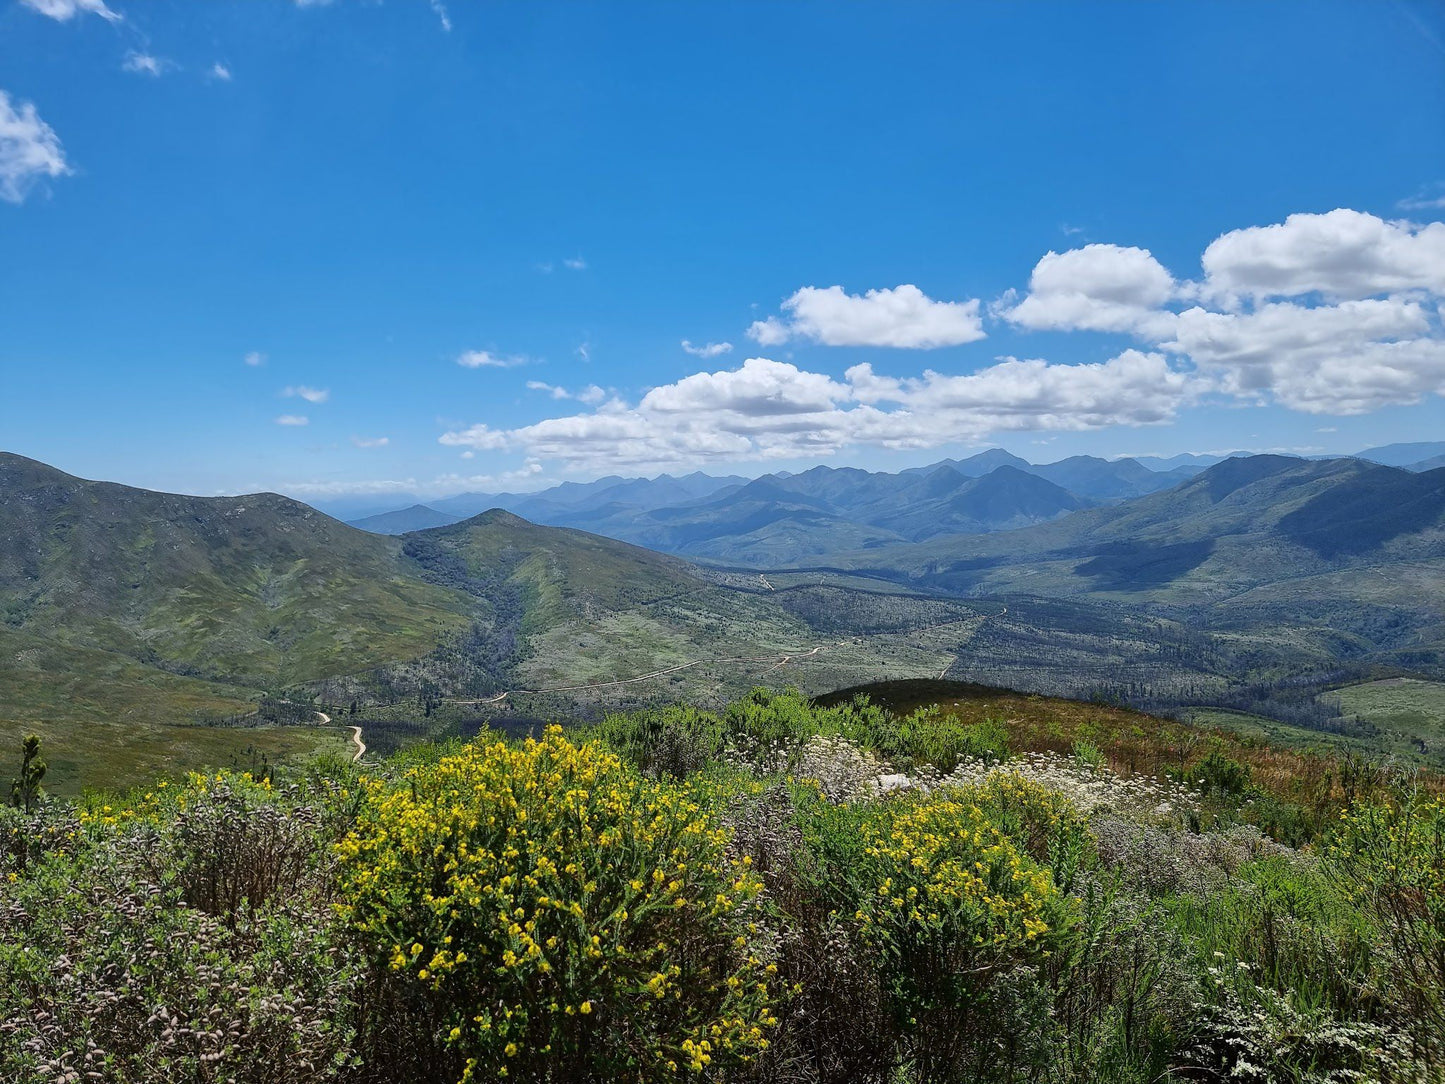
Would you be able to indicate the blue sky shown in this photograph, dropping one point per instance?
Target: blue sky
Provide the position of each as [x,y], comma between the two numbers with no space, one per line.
[466,243]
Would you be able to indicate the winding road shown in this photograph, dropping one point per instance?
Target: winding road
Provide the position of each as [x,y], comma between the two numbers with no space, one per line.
[355,734]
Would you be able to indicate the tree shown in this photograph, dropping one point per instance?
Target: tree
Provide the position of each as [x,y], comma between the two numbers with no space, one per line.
[26,791]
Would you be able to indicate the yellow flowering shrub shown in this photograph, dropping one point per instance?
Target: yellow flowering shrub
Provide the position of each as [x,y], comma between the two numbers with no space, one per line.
[949,905]
[1034,816]
[571,919]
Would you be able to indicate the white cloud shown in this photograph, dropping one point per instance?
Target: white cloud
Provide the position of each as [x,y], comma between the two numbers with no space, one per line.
[293,419]
[590,394]
[1133,388]
[1094,288]
[761,387]
[767,409]
[29,150]
[1342,255]
[220,72]
[526,477]
[441,13]
[485,359]
[65,10]
[255,358]
[370,442]
[311,395]
[576,263]
[708,350]
[1349,358]
[1429,198]
[144,64]
[1335,347]
[901,317]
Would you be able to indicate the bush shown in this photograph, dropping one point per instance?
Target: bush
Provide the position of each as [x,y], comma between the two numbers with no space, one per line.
[105,975]
[671,742]
[952,913]
[1219,776]
[1389,860]
[571,920]
[1278,924]
[234,847]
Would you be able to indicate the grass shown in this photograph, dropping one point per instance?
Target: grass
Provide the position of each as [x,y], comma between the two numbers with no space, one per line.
[1411,711]
[108,755]
[1131,742]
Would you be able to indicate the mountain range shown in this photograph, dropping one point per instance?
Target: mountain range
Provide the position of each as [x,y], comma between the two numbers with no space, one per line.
[122,603]
[782,518]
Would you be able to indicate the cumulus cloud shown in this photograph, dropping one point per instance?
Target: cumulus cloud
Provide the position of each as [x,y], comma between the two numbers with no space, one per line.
[1094,288]
[1332,313]
[220,72]
[311,395]
[767,409]
[1349,358]
[1341,255]
[707,350]
[1133,388]
[901,317]
[486,359]
[293,419]
[65,10]
[255,358]
[370,442]
[760,388]
[29,150]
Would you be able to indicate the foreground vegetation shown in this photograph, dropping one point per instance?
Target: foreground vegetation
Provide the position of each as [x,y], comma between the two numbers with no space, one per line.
[779,891]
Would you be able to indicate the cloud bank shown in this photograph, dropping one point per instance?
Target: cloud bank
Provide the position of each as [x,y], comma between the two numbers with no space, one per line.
[1327,314]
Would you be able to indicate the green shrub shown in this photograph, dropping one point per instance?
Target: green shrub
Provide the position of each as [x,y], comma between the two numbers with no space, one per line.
[105,974]
[1279,924]
[1389,860]
[572,920]
[671,742]
[951,912]
[1220,776]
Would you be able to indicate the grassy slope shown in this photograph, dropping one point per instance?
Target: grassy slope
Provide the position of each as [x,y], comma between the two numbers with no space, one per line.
[116,600]
[600,610]
[1410,714]
[110,755]
[1131,741]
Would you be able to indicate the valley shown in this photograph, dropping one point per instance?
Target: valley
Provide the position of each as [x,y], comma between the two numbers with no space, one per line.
[1243,595]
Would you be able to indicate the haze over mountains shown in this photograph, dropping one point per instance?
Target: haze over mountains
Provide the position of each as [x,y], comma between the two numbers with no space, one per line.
[783,518]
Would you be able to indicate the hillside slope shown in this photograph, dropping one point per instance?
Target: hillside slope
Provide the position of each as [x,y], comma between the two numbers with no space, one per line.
[183,604]
[123,604]
[1352,549]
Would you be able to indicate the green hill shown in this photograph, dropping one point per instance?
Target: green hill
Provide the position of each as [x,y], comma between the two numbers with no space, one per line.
[123,600]
[127,615]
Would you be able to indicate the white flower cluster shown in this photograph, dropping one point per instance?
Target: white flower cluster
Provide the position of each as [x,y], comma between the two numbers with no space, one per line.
[1091,790]
[842,770]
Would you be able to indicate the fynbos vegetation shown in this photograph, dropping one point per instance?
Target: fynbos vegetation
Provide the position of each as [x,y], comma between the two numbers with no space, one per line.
[779,891]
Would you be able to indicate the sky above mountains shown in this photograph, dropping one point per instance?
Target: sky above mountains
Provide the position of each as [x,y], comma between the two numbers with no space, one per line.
[418,247]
